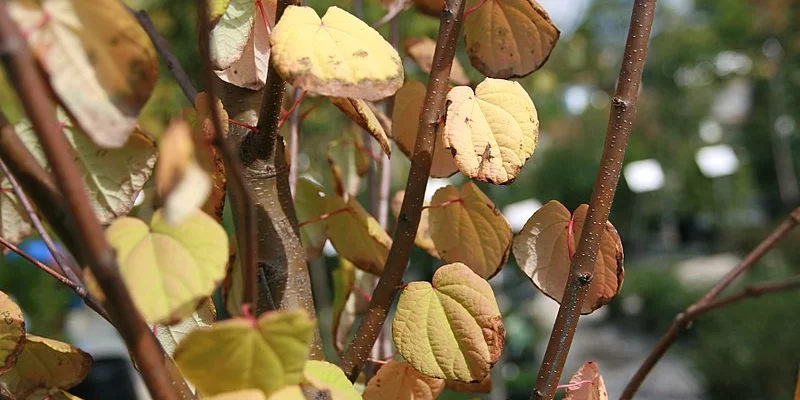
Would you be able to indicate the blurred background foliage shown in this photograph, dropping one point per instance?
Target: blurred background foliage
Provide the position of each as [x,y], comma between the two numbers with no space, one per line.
[718,73]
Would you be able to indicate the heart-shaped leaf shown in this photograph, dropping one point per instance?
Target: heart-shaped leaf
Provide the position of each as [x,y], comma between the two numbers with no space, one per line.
[113,177]
[329,378]
[45,364]
[450,328]
[400,381]
[356,235]
[587,384]
[250,70]
[243,353]
[421,50]
[491,132]
[230,35]
[98,59]
[12,332]
[405,123]
[338,55]
[361,114]
[544,248]
[466,227]
[170,269]
[508,38]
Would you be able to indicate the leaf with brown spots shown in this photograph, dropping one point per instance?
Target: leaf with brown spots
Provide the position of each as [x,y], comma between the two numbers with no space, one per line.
[45,364]
[12,332]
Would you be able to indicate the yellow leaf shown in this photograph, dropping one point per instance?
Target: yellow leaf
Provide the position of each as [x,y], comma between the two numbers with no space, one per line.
[113,177]
[14,222]
[343,303]
[249,394]
[484,386]
[12,332]
[405,123]
[466,227]
[180,180]
[357,236]
[231,33]
[250,70]
[400,381]
[491,132]
[243,353]
[291,392]
[450,328]
[171,335]
[542,249]
[423,238]
[170,269]
[216,8]
[99,61]
[421,50]
[509,38]
[349,161]
[329,378]
[338,55]
[45,364]
[359,111]
[309,203]
[587,384]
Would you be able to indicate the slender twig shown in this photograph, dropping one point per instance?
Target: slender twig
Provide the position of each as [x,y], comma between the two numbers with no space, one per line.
[248,235]
[67,267]
[165,51]
[325,216]
[620,122]
[475,8]
[23,73]
[709,302]
[294,139]
[409,217]
[750,291]
[394,11]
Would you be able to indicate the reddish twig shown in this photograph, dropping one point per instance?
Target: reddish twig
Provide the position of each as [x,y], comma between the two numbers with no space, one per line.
[287,113]
[444,204]
[24,74]
[475,8]
[313,107]
[408,220]
[620,122]
[243,125]
[709,301]
[571,237]
[324,216]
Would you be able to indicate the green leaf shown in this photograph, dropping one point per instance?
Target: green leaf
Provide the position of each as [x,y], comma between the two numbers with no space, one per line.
[309,203]
[12,332]
[113,177]
[249,394]
[291,392]
[98,59]
[357,236]
[330,378]
[231,33]
[450,328]
[170,269]
[338,55]
[243,353]
[45,364]
[343,305]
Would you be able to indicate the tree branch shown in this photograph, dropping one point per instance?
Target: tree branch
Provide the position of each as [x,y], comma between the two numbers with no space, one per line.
[408,220]
[23,74]
[620,122]
[709,301]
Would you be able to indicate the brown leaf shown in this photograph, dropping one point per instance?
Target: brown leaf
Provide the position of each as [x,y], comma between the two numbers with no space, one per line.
[359,111]
[484,386]
[586,384]
[399,381]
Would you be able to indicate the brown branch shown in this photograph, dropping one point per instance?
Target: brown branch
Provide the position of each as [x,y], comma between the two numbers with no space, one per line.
[620,122]
[165,51]
[408,219]
[34,94]
[247,237]
[709,302]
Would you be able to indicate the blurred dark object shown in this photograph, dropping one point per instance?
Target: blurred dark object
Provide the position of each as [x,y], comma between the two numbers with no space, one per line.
[109,378]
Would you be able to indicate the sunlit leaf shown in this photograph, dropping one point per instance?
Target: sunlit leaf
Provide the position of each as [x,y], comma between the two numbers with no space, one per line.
[291,392]
[360,113]
[181,182]
[45,364]
[243,353]
[349,161]
[405,123]
[509,38]
[421,49]
[338,55]
[12,332]
[484,386]
[450,328]
[98,59]
[14,222]
[542,250]
[309,203]
[329,378]
[467,227]
[171,335]
[231,33]
[170,269]
[249,394]
[250,70]
[357,236]
[423,238]
[400,381]
[491,132]
[216,8]
[113,177]
[52,394]
[586,384]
